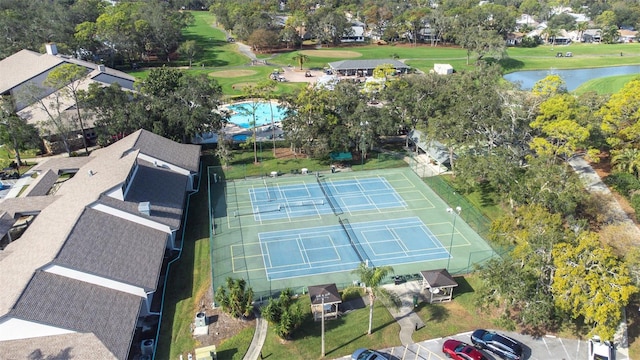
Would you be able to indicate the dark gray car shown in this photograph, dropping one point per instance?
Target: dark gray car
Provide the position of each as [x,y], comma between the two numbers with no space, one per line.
[499,344]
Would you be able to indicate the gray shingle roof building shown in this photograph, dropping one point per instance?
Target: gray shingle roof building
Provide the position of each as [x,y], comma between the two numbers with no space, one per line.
[25,73]
[89,262]
[351,67]
[57,301]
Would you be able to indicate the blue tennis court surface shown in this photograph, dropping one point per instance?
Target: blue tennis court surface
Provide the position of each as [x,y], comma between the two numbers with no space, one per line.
[274,202]
[327,249]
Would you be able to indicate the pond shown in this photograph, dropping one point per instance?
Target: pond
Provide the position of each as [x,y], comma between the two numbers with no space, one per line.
[573,78]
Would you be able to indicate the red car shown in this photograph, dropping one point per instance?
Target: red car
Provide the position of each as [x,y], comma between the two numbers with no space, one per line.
[461,351]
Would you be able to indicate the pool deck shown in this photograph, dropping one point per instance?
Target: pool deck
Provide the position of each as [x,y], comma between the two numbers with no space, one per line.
[264,132]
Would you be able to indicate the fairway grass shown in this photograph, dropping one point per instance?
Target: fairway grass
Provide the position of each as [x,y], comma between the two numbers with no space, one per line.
[607,85]
[232,73]
[331,53]
[233,70]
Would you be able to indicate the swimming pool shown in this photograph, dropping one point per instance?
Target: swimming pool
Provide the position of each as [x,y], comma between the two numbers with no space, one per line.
[242,114]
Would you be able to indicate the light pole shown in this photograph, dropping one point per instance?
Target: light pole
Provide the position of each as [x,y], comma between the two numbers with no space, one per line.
[363,144]
[455,212]
[322,296]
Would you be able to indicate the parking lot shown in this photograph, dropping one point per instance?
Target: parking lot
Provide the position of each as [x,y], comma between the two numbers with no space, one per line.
[543,348]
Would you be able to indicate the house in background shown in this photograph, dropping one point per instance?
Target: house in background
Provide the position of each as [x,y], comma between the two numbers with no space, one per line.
[84,280]
[355,34]
[26,70]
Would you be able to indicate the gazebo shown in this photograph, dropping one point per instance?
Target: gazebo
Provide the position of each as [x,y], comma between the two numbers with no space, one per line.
[328,296]
[439,284]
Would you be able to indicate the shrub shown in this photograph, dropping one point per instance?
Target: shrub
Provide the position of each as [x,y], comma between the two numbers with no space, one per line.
[352,292]
[635,203]
[624,183]
[530,42]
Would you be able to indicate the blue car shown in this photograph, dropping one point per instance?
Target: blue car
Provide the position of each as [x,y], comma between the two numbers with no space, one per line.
[367,354]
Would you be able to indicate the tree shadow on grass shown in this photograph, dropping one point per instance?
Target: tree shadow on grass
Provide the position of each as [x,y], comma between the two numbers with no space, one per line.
[355,338]
[438,313]
[210,48]
[487,193]
[509,64]
[228,354]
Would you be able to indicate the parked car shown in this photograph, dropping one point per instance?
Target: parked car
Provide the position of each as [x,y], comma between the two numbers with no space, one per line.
[498,344]
[601,350]
[367,354]
[459,350]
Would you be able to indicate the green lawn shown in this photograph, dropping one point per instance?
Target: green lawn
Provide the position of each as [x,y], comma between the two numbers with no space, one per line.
[342,336]
[243,163]
[189,278]
[7,156]
[233,71]
[607,85]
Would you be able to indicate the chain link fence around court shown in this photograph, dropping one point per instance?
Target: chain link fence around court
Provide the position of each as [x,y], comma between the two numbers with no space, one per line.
[471,215]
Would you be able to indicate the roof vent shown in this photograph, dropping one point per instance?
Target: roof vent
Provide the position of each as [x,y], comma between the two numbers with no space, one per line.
[101,68]
[90,172]
[146,347]
[145,208]
[52,49]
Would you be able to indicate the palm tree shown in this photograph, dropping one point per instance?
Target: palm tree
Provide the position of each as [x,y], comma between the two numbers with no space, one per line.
[582,27]
[372,277]
[550,33]
[301,59]
[627,160]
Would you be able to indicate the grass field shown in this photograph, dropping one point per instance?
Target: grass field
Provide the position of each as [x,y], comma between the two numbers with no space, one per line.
[608,85]
[223,61]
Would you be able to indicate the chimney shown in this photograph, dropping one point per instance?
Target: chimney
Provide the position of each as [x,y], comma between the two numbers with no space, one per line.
[52,49]
[101,68]
[145,208]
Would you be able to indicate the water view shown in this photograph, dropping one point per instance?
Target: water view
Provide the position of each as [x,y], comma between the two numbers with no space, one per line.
[573,78]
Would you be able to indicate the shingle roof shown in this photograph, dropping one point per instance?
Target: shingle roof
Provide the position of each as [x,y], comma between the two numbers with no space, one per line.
[30,205]
[75,305]
[114,248]
[6,223]
[22,66]
[59,347]
[333,296]
[438,278]
[67,234]
[42,184]
[182,155]
[62,163]
[26,64]
[366,64]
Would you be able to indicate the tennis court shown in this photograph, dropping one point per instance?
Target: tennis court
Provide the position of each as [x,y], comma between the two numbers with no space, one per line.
[274,201]
[298,230]
[342,248]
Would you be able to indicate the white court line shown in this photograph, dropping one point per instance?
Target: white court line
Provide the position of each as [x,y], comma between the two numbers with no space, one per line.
[303,250]
[266,250]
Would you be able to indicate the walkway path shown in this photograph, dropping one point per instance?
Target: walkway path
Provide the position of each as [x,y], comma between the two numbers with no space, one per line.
[408,320]
[255,349]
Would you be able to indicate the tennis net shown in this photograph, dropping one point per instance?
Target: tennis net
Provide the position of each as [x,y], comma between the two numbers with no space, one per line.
[346,226]
[325,190]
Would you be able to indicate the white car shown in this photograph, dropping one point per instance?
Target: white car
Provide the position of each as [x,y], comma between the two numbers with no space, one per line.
[601,350]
